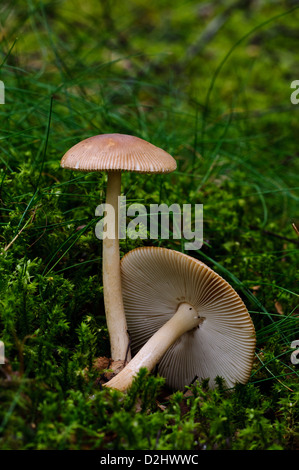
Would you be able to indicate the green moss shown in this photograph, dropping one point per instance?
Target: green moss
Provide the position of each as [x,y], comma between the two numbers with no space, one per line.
[211,85]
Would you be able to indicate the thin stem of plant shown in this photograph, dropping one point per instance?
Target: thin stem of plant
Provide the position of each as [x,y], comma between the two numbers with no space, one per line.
[20,231]
[114,309]
[185,319]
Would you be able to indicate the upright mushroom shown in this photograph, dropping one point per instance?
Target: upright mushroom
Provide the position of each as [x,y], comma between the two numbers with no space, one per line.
[115,153]
[184,318]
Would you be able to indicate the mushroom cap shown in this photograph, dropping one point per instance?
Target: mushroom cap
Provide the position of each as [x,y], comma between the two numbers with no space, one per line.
[155,281]
[118,152]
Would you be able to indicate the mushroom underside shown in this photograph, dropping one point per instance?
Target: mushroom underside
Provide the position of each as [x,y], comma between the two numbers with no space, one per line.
[155,282]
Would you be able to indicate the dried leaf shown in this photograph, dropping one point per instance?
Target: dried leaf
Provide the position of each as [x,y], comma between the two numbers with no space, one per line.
[279,308]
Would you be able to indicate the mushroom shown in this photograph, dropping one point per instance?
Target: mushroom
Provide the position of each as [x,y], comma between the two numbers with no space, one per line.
[183,318]
[115,153]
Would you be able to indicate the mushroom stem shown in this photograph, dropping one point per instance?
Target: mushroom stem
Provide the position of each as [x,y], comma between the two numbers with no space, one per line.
[185,319]
[114,309]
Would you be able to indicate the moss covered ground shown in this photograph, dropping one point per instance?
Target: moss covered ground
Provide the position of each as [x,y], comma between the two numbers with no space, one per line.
[209,82]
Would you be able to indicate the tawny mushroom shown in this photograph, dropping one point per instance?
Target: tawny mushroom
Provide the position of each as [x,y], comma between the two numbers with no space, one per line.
[183,318]
[115,153]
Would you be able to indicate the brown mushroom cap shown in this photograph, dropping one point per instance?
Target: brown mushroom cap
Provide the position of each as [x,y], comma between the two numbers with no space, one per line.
[155,281]
[119,152]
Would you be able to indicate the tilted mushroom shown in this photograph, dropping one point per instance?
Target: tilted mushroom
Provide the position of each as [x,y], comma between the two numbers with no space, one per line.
[184,318]
[114,153]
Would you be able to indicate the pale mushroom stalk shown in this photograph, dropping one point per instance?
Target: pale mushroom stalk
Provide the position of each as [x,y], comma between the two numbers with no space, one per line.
[115,315]
[185,319]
